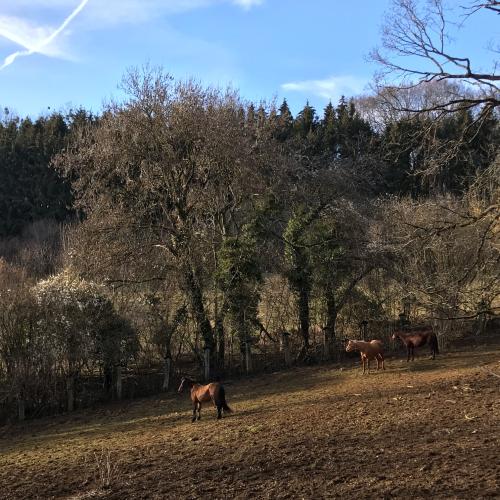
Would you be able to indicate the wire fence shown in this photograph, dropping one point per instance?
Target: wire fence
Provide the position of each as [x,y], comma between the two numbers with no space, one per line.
[147,377]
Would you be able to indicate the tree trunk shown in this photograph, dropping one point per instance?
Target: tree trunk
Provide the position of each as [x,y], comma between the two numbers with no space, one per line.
[248,356]
[206,364]
[198,308]
[118,381]
[331,319]
[167,367]
[304,318]
[285,348]
[70,392]
[221,348]
[108,379]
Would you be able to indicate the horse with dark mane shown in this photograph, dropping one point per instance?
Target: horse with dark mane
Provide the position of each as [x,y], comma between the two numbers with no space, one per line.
[203,393]
[417,337]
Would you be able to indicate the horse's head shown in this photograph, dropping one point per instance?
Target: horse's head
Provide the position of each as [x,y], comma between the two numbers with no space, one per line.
[394,336]
[349,346]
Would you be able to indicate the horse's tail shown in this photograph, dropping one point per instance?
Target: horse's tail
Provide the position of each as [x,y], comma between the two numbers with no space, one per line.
[434,343]
[223,402]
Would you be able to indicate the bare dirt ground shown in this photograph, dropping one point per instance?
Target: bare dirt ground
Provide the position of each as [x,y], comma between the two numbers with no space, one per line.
[428,429]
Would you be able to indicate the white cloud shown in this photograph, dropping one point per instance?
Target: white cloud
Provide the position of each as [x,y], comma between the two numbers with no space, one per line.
[248,4]
[34,37]
[120,11]
[113,12]
[331,88]
[25,33]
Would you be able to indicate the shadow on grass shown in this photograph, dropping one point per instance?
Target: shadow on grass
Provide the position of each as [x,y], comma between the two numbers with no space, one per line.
[160,412]
[452,360]
[248,396]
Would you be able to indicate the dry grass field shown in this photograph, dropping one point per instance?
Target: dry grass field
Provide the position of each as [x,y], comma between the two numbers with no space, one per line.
[428,429]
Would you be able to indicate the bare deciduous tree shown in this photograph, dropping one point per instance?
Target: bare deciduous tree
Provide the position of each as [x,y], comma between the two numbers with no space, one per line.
[417,49]
[166,171]
[447,250]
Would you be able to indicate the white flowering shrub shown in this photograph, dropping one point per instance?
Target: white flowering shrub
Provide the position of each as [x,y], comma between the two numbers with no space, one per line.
[83,323]
[49,332]
[72,313]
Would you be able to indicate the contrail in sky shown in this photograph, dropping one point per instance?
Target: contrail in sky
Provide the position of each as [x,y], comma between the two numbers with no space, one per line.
[32,50]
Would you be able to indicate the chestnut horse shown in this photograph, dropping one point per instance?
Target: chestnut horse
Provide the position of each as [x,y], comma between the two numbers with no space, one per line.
[368,350]
[203,393]
[417,337]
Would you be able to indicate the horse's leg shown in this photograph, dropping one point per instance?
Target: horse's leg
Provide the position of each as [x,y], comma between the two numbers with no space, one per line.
[408,349]
[217,406]
[363,363]
[382,360]
[199,410]
[413,353]
[195,405]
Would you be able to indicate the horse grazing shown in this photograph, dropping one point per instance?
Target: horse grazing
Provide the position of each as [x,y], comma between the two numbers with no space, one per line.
[203,393]
[368,350]
[417,337]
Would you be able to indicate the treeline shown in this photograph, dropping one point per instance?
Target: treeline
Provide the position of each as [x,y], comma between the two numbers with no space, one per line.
[199,225]
[31,190]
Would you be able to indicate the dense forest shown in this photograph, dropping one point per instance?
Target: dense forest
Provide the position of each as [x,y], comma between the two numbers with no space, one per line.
[186,227]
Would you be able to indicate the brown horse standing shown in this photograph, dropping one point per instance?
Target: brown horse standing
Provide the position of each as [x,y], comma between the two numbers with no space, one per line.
[417,337]
[368,350]
[203,393]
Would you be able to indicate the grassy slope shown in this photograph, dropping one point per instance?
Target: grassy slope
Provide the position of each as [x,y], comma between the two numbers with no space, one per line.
[431,428]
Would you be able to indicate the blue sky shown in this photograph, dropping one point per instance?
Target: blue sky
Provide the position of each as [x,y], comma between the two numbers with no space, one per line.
[63,53]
